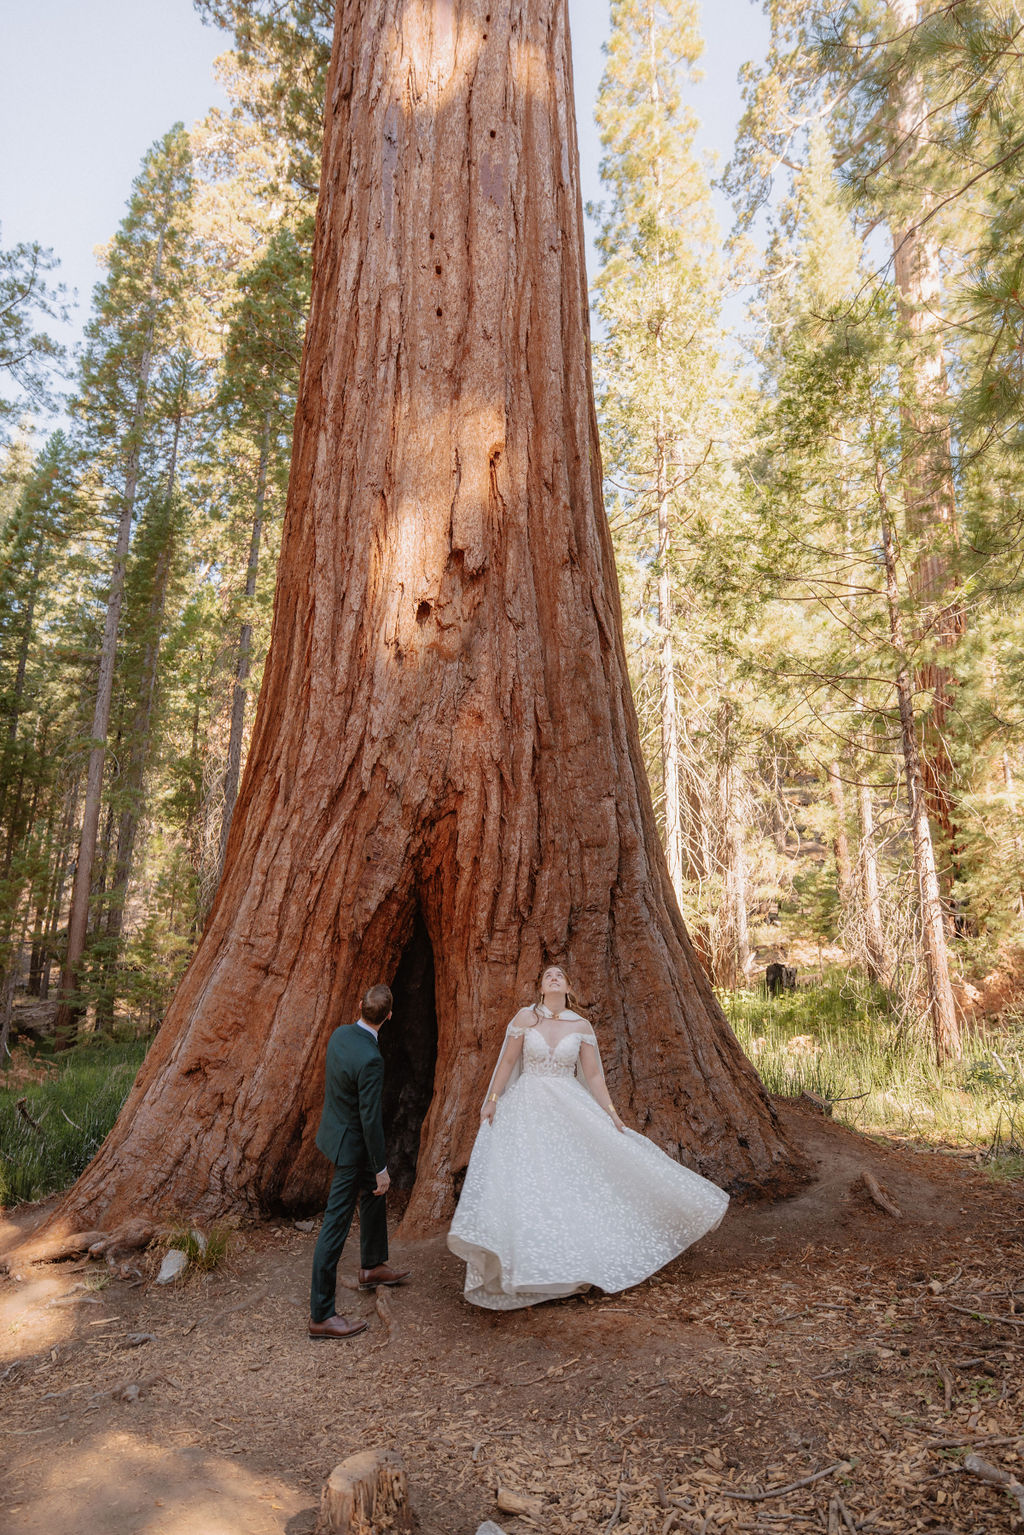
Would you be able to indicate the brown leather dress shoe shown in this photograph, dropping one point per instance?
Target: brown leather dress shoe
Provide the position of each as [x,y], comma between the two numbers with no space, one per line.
[336,1326]
[369,1279]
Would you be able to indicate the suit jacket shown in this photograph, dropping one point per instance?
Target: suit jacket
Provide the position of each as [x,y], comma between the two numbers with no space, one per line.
[352,1127]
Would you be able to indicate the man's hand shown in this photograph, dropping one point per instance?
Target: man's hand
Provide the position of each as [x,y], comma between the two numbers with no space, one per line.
[383,1182]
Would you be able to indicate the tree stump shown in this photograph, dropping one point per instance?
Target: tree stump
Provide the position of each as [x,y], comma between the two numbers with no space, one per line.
[366,1494]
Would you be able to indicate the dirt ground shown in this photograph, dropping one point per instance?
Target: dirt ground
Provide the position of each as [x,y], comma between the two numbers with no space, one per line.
[818,1338]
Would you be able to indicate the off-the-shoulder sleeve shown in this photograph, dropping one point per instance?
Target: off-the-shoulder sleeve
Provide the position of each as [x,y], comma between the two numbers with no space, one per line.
[517,1030]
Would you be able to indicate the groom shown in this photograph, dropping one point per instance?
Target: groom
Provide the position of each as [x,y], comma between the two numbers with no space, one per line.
[351,1134]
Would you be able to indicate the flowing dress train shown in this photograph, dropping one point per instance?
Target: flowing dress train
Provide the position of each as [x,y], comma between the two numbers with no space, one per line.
[556,1199]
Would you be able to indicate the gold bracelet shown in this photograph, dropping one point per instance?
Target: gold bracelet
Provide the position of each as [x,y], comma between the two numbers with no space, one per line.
[493,1098]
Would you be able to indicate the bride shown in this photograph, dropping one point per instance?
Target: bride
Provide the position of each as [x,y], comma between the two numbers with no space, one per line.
[559,1195]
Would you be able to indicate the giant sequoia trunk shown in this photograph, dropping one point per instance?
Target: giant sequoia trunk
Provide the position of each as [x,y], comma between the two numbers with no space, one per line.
[445,783]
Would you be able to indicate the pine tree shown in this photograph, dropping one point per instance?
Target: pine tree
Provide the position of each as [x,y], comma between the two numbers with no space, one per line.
[136,317]
[37,539]
[261,371]
[657,296]
[28,356]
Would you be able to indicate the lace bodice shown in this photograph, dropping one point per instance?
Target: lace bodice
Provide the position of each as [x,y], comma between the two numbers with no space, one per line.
[558,1061]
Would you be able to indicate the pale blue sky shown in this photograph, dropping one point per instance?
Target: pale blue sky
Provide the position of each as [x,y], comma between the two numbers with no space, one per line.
[87,85]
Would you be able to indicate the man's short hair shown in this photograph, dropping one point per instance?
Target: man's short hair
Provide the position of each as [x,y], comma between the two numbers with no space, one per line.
[376,1004]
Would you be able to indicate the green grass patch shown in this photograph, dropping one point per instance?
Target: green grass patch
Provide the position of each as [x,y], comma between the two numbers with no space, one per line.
[205,1250]
[838,1040]
[62,1120]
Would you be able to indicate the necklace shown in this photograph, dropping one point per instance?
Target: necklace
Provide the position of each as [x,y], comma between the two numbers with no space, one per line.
[543,1008]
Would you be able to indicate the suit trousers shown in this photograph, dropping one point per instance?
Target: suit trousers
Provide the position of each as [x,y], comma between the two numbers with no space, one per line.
[350,1185]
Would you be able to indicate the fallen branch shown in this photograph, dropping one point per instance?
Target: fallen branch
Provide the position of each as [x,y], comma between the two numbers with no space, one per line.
[385,1313]
[984,1316]
[554,1369]
[22,1108]
[848,1519]
[995,1477]
[131,1390]
[616,1513]
[55,1396]
[947,1385]
[878,1194]
[778,1492]
[242,1305]
[988,1440]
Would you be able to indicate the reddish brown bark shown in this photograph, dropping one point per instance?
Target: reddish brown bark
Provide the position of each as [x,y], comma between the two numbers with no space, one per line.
[445,734]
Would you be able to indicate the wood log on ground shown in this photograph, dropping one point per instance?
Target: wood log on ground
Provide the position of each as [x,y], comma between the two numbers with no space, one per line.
[995,1476]
[814,1101]
[445,787]
[879,1196]
[34,1020]
[367,1494]
[510,1502]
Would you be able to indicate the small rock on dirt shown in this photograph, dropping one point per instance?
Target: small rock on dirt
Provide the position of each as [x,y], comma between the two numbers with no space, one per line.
[174,1265]
[303,1225]
[489,1528]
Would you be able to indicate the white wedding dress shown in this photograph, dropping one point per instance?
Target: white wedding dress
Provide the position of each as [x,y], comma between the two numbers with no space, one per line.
[556,1199]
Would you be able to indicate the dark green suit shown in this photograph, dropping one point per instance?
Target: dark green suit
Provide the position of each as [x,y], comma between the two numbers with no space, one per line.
[351,1134]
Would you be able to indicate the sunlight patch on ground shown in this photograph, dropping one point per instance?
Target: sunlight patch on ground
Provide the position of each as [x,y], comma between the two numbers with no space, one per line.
[41,1313]
[118,1484]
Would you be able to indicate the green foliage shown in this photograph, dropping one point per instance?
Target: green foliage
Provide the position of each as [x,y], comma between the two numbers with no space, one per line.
[205,1250]
[284,49]
[841,1041]
[745,505]
[27,355]
[72,1107]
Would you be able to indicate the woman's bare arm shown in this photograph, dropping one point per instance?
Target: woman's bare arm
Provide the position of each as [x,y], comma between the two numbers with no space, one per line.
[511,1050]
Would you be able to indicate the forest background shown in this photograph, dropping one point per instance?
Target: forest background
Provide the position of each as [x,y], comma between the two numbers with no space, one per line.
[810,414]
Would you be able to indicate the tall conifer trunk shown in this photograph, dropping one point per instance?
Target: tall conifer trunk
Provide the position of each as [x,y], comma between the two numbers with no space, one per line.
[666,652]
[244,661]
[667,679]
[941,1005]
[78,917]
[877,956]
[445,766]
[140,731]
[840,842]
[928,465]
